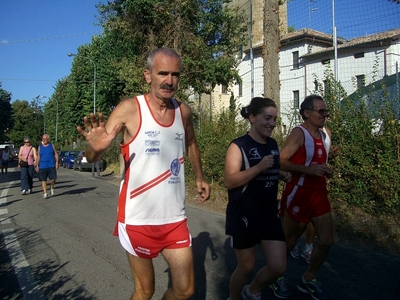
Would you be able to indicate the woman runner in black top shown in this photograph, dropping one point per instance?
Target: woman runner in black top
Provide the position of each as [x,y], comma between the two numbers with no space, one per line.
[251,176]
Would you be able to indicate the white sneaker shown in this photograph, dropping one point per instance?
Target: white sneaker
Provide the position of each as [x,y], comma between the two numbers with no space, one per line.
[45,196]
[306,254]
[28,192]
[246,295]
[296,252]
[52,192]
[23,192]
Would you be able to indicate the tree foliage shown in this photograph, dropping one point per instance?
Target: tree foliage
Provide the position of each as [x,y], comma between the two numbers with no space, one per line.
[366,129]
[206,33]
[6,123]
[28,121]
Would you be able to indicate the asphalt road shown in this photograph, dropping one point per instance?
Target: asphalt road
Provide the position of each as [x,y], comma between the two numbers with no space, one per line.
[63,248]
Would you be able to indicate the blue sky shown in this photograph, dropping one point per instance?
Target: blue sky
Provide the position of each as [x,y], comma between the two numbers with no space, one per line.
[36,35]
[353,18]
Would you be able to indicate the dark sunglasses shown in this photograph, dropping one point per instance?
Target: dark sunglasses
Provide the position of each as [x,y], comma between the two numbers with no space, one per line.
[322,112]
[26,142]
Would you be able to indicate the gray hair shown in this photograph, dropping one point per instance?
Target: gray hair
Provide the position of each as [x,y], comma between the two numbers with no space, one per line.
[163,50]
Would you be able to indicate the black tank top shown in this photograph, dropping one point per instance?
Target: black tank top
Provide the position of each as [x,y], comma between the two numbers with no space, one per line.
[255,202]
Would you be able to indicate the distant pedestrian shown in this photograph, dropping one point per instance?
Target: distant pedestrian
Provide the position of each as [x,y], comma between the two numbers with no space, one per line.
[251,176]
[28,155]
[47,164]
[5,158]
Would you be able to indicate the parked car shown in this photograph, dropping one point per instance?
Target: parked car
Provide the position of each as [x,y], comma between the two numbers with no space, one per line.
[68,159]
[81,163]
[61,155]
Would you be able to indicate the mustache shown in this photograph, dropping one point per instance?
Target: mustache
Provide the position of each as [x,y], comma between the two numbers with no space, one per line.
[167,86]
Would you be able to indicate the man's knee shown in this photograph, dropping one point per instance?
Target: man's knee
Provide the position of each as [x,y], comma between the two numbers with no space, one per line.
[143,292]
[184,293]
[326,240]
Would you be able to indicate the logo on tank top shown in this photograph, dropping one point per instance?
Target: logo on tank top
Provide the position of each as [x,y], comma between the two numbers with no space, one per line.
[152,143]
[175,168]
[295,210]
[274,152]
[253,152]
[320,152]
[179,136]
[152,133]
[152,151]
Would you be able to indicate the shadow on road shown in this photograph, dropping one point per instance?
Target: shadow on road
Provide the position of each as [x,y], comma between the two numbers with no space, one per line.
[56,283]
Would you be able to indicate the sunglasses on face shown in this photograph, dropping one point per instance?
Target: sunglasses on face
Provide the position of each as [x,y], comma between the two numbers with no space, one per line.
[322,112]
[26,142]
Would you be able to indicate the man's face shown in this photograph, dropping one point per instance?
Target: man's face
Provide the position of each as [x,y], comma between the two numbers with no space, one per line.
[45,140]
[164,76]
[318,115]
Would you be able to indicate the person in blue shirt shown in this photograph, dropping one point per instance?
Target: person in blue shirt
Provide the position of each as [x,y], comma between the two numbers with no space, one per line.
[47,164]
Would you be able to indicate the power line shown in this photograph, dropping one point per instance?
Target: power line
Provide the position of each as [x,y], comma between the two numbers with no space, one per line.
[5,42]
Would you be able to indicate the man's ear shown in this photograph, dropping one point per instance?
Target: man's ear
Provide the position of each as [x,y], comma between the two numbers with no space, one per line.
[307,113]
[146,73]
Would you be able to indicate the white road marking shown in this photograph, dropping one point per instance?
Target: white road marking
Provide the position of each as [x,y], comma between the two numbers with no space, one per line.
[22,270]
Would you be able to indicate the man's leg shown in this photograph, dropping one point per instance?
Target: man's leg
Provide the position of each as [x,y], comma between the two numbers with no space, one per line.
[180,262]
[44,186]
[310,233]
[293,231]
[143,276]
[324,230]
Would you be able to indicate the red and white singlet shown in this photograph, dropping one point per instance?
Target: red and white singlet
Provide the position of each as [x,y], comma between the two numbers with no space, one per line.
[313,151]
[152,190]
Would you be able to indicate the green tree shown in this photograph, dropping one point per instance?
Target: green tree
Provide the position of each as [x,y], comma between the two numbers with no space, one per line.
[206,34]
[28,121]
[6,123]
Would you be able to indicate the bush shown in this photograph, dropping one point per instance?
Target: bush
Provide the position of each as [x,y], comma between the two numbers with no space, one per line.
[213,137]
[367,131]
[364,126]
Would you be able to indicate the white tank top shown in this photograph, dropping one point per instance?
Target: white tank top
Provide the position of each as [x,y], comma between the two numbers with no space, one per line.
[152,190]
[327,140]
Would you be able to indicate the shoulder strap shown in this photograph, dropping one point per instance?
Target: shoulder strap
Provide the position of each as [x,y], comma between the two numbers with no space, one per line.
[29,152]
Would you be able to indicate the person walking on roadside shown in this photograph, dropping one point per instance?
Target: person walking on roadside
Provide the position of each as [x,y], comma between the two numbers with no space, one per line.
[47,164]
[305,198]
[27,154]
[305,252]
[251,177]
[157,133]
[5,158]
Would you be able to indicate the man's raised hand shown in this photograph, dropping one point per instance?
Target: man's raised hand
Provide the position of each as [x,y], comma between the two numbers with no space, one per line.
[96,134]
